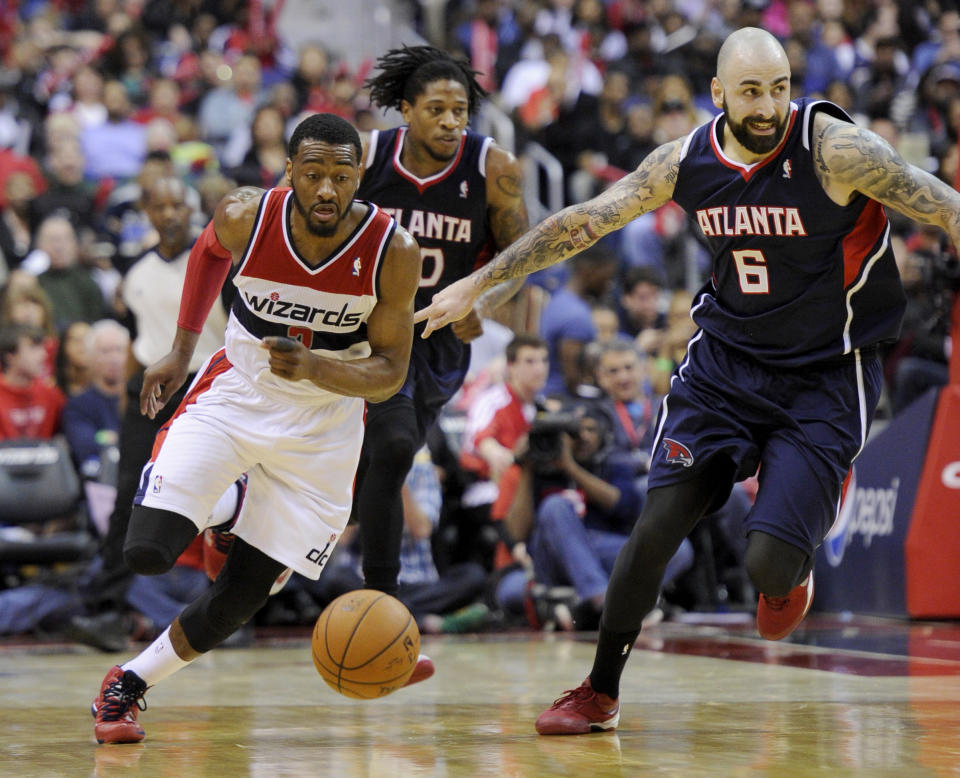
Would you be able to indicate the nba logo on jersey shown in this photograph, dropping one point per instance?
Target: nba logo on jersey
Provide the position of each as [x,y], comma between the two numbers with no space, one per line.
[787,169]
[356,266]
[463,190]
[157,484]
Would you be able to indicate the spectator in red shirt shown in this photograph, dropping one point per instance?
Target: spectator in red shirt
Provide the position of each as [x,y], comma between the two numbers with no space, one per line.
[498,420]
[30,406]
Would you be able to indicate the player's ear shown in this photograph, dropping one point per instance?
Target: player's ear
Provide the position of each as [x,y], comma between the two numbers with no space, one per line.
[716,92]
[406,111]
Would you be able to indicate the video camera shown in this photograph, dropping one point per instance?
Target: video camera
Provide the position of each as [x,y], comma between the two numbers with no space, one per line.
[545,439]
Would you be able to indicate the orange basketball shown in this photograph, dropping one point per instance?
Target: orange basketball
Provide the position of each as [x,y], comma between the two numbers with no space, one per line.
[365,644]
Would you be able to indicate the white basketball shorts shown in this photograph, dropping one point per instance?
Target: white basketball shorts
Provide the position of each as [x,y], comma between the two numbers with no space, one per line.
[301,461]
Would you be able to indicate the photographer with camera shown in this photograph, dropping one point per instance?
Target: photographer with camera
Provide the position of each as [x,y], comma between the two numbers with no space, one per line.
[574,506]
[931,280]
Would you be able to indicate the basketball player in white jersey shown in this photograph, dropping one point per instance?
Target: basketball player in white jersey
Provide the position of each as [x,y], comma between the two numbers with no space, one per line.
[321,323]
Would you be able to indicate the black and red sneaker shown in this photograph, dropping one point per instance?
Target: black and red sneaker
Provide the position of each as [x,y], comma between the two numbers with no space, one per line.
[116,709]
[777,617]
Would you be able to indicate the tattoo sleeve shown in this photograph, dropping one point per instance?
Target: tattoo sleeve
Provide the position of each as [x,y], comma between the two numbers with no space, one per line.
[863,160]
[579,226]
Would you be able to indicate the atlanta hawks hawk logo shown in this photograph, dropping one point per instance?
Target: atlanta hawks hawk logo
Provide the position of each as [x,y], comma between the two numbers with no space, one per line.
[677,453]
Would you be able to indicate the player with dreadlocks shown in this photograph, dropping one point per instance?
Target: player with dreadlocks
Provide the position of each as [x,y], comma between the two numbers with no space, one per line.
[461,196]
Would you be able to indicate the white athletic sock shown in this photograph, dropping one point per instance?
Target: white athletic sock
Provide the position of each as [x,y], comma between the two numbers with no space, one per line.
[156,661]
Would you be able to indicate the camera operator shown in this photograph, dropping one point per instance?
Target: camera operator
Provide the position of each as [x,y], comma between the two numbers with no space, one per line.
[574,506]
[920,359]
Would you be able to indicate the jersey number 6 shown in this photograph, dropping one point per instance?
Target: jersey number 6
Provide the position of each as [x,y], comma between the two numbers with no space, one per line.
[752,271]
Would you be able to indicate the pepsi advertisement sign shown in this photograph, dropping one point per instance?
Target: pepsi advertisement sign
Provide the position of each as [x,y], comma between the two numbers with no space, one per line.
[860,565]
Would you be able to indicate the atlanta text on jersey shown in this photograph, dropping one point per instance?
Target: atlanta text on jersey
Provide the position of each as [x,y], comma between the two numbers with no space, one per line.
[438,226]
[751,220]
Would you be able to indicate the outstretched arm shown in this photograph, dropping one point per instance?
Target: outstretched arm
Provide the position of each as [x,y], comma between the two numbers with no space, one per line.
[563,234]
[853,159]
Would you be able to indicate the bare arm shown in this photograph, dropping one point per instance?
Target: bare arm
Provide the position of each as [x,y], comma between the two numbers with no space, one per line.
[852,159]
[389,331]
[508,219]
[563,234]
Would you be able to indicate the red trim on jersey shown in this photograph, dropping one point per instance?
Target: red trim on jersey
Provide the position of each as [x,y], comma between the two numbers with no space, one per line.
[423,183]
[747,171]
[217,366]
[860,241]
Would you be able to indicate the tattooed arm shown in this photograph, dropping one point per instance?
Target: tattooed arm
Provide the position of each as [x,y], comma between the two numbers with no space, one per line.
[851,159]
[563,234]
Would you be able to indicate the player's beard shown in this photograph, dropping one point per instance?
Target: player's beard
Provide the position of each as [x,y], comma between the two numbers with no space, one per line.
[320,230]
[756,144]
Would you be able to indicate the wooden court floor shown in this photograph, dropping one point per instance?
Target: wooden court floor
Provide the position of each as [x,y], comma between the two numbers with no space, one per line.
[842,698]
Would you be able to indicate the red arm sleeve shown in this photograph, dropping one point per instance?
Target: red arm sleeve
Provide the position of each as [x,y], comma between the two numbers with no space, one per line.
[207,269]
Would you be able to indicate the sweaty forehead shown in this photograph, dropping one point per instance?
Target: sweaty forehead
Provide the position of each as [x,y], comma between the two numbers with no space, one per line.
[316,151]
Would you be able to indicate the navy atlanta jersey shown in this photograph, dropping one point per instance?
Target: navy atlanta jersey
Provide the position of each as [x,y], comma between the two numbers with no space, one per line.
[446,212]
[796,277]
[324,306]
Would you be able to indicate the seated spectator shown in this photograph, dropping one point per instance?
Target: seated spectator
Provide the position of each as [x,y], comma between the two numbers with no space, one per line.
[67,189]
[26,303]
[233,105]
[72,364]
[91,419]
[116,148]
[18,189]
[71,287]
[567,325]
[640,314]
[497,423]
[265,159]
[632,410]
[29,406]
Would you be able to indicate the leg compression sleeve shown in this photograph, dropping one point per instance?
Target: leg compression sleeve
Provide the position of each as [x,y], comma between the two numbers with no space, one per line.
[155,538]
[238,593]
[390,442]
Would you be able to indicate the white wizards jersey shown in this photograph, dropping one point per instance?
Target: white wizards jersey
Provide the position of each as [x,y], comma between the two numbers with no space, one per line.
[324,307]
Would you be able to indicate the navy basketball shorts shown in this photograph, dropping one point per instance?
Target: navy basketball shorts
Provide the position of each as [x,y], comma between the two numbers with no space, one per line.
[802,426]
[438,366]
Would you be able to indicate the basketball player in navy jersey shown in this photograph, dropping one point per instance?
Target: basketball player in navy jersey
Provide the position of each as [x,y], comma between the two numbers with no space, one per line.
[460,196]
[322,322]
[783,371]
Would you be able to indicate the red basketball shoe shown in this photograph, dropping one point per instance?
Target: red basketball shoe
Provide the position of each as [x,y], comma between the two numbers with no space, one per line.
[579,711]
[422,671]
[777,617]
[116,709]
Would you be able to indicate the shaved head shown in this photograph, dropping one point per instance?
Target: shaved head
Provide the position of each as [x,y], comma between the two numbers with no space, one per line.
[749,46]
[752,87]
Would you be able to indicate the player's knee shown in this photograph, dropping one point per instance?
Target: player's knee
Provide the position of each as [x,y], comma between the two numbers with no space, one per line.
[773,565]
[148,558]
[395,448]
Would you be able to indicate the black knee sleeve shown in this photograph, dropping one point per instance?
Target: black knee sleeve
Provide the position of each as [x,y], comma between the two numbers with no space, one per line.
[239,592]
[773,565]
[155,538]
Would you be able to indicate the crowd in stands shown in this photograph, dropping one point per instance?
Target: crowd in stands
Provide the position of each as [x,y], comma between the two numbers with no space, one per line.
[123,122]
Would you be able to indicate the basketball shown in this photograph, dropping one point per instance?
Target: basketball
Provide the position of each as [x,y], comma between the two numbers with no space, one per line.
[365,644]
